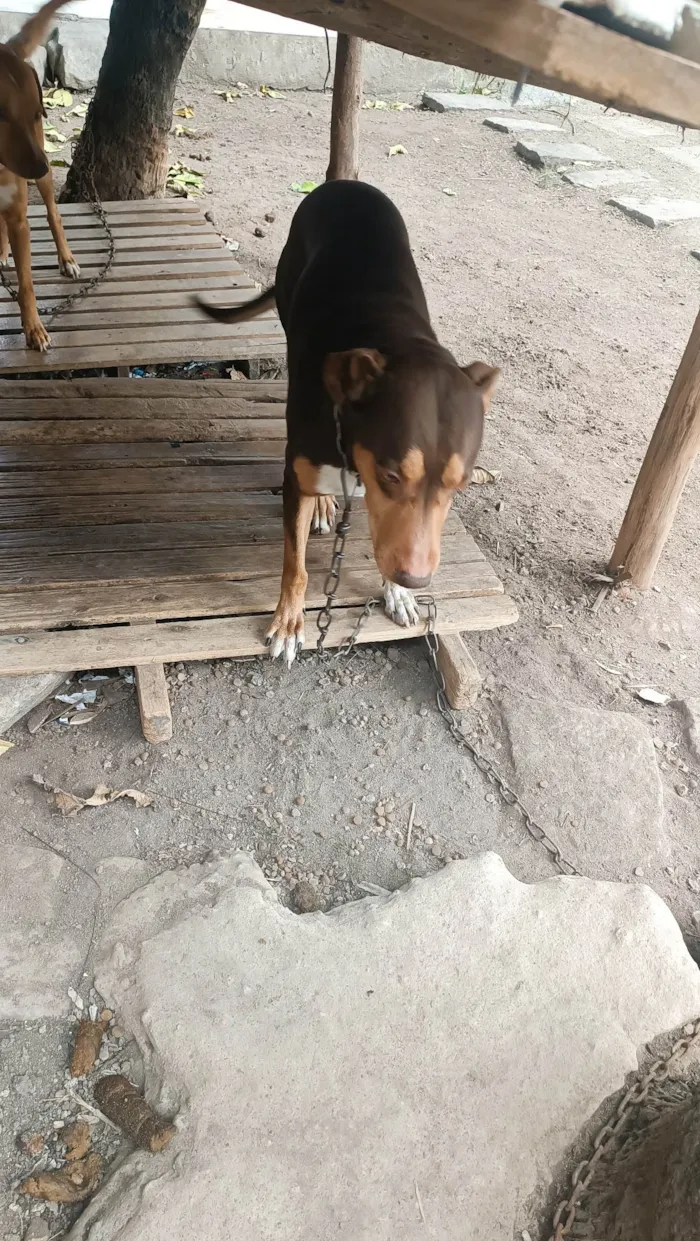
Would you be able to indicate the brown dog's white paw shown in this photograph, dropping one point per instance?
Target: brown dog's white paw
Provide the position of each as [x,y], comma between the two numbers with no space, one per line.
[69,268]
[323,520]
[37,337]
[400,605]
[286,633]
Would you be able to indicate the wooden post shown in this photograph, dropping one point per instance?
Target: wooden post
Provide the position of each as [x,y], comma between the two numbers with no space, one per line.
[154,702]
[462,680]
[345,115]
[670,455]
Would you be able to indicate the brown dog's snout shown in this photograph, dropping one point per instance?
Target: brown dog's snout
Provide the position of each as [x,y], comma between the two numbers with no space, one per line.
[410,582]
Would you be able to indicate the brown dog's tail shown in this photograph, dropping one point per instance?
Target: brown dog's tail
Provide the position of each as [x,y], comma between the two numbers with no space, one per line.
[34,31]
[238,314]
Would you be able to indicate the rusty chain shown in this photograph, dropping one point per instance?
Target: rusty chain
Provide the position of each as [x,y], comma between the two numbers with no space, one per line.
[58,308]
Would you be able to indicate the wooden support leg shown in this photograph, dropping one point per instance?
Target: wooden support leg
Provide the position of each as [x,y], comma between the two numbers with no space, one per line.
[670,455]
[462,680]
[345,115]
[154,703]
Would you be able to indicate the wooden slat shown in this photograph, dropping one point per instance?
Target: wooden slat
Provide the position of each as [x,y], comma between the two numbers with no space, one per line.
[161,389]
[187,283]
[115,431]
[74,508]
[104,408]
[220,638]
[154,703]
[239,343]
[92,229]
[43,264]
[154,481]
[193,239]
[42,456]
[173,206]
[110,301]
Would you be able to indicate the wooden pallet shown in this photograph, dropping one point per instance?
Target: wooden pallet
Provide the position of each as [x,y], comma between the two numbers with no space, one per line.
[142,312]
[140,524]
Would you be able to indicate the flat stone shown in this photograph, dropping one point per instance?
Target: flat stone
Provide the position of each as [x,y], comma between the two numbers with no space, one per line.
[20,695]
[688,155]
[691,708]
[601,178]
[42,928]
[629,126]
[545,154]
[656,212]
[447,101]
[592,777]
[407,1066]
[519,125]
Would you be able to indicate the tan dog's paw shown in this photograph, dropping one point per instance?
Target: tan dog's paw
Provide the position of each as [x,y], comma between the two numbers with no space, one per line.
[68,267]
[36,336]
[400,605]
[4,260]
[286,633]
[323,520]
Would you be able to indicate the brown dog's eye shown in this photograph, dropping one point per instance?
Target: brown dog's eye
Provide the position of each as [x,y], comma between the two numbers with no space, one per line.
[392,478]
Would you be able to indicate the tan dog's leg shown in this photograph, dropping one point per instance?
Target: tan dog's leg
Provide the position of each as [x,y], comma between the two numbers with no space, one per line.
[20,243]
[286,633]
[4,243]
[323,520]
[66,262]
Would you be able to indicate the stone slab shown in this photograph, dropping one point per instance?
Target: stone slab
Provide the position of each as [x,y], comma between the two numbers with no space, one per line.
[546,154]
[602,178]
[590,775]
[409,1066]
[629,126]
[20,695]
[687,155]
[41,943]
[519,125]
[657,212]
[446,101]
[692,716]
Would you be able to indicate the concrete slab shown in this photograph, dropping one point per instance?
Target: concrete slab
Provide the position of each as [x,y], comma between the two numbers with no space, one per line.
[437,101]
[519,125]
[594,775]
[601,178]
[20,695]
[546,154]
[629,126]
[656,212]
[407,1066]
[687,155]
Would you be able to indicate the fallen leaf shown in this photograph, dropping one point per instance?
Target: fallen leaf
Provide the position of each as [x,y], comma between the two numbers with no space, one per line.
[186,110]
[69,804]
[231,245]
[59,163]
[183,131]
[58,98]
[375,103]
[653,695]
[400,107]
[228,95]
[303,187]
[79,110]
[54,143]
[450,193]
[185,181]
[70,1184]
[481,476]
[397,150]
[5,746]
[271,94]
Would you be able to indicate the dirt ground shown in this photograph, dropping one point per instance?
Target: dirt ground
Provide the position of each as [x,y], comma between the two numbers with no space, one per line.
[587,314]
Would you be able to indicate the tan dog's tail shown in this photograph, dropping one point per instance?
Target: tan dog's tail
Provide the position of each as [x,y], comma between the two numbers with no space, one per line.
[34,31]
[238,314]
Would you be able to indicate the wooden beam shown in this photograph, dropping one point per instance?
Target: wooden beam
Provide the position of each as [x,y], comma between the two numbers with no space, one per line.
[462,680]
[669,459]
[154,702]
[344,162]
[561,51]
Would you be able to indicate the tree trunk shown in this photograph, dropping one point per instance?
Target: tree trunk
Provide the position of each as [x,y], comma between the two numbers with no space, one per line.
[345,115]
[124,143]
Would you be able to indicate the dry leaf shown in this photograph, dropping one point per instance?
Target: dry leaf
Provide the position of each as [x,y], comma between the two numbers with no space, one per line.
[69,804]
[184,131]
[481,476]
[57,98]
[70,1184]
[5,746]
[653,695]
[397,150]
[450,193]
[228,95]
[271,94]
[186,111]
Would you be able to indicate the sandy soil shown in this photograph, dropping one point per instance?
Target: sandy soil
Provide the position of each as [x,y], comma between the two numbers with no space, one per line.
[588,315]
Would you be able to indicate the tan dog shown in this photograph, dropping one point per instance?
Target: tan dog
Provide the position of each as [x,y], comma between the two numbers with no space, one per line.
[22,159]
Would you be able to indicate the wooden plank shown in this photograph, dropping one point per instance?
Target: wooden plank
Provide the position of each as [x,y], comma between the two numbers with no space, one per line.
[462,680]
[192,239]
[264,390]
[43,456]
[163,332]
[238,344]
[123,430]
[44,608]
[584,60]
[144,206]
[220,638]
[128,480]
[132,257]
[104,409]
[149,299]
[212,263]
[76,509]
[154,703]
[91,228]
[99,324]
[188,283]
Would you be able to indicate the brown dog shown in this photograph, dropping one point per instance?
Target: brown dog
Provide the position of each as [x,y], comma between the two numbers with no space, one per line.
[360,343]
[22,159]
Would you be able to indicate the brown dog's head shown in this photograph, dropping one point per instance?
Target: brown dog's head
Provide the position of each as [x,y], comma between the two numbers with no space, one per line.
[414,426]
[21,107]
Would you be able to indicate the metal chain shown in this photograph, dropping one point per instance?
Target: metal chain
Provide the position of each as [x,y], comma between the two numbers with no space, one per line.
[58,308]
[342,529]
[565,1214]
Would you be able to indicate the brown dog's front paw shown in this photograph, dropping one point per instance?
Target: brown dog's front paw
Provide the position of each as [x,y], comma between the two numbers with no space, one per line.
[68,267]
[323,520]
[286,633]
[36,336]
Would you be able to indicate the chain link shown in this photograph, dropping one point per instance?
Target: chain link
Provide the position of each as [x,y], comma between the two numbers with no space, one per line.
[58,308]
[342,529]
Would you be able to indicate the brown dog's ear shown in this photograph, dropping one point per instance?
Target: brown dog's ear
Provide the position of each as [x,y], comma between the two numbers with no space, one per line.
[485,377]
[349,376]
[34,30]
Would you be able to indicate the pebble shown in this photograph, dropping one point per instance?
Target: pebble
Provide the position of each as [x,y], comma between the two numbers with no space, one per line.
[357,820]
[32,1143]
[38,1230]
[267,788]
[305,897]
[300,800]
[245,715]
[295,812]
[638,871]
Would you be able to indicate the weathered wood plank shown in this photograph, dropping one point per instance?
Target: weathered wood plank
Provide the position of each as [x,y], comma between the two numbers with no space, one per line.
[238,344]
[105,409]
[124,430]
[220,638]
[154,703]
[180,299]
[263,390]
[77,509]
[128,480]
[48,457]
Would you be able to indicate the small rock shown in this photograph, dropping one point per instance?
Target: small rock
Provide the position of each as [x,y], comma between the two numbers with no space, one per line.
[31,1143]
[638,871]
[306,898]
[258,231]
[357,820]
[267,788]
[38,1230]
[270,217]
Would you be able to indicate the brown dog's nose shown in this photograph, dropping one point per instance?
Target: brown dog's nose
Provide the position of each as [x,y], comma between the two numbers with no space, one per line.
[410,582]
